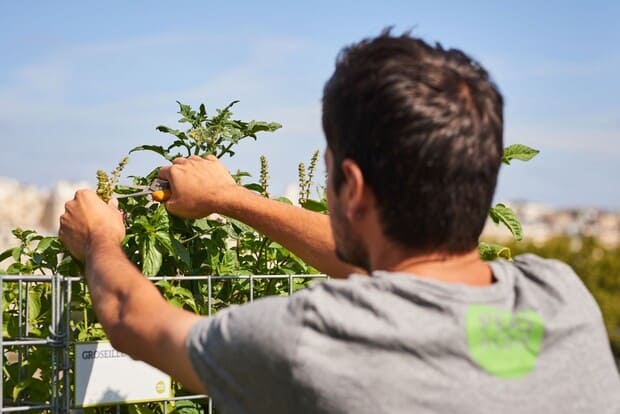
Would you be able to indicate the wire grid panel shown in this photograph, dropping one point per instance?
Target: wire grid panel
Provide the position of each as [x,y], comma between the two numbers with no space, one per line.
[43,317]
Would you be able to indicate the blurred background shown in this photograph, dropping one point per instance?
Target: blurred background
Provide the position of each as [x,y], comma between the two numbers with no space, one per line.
[83,83]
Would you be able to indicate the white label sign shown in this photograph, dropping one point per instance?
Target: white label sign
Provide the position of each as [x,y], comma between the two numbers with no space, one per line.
[105,376]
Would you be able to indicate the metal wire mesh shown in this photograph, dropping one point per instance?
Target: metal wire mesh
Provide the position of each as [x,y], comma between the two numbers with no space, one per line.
[23,340]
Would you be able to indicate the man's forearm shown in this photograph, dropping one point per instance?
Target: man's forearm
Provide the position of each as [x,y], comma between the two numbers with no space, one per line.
[113,281]
[306,233]
[136,318]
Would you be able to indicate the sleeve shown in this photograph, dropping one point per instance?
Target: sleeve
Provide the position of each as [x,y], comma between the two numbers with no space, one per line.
[243,355]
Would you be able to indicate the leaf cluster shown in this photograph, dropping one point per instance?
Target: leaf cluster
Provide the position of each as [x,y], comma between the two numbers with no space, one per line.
[502,214]
[215,135]
[160,245]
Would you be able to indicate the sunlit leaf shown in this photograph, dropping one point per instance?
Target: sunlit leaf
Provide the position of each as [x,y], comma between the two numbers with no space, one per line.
[284,200]
[153,148]
[518,152]
[21,386]
[151,257]
[34,302]
[502,213]
[45,243]
[6,254]
[255,187]
[313,205]
[490,251]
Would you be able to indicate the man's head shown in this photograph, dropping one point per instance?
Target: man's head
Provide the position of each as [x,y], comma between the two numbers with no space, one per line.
[424,125]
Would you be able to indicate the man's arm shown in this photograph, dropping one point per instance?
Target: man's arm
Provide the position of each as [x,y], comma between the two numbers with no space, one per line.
[135,317]
[204,186]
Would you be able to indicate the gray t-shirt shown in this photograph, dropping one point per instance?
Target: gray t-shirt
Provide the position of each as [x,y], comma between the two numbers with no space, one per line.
[532,342]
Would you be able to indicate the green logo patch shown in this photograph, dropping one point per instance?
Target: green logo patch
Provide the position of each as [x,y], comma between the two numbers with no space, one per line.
[504,344]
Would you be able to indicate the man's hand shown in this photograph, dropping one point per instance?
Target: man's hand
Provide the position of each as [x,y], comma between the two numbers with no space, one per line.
[89,221]
[123,299]
[199,186]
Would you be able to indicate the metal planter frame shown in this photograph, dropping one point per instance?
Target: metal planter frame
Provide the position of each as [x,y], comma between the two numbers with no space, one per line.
[60,342]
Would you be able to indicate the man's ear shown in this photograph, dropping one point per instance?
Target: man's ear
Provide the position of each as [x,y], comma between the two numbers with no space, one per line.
[353,192]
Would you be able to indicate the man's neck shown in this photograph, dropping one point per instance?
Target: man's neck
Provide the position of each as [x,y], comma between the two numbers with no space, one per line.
[466,268]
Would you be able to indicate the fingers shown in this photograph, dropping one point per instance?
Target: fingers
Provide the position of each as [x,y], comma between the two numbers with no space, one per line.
[85,194]
[164,173]
[181,160]
[185,160]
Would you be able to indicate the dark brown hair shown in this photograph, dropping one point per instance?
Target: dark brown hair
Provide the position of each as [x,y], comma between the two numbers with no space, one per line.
[425,126]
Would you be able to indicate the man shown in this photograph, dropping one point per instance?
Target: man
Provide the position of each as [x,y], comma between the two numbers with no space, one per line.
[414,145]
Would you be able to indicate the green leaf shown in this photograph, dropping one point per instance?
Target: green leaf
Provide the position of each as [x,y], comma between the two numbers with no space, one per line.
[284,200]
[240,227]
[186,407]
[12,328]
[184,109]
[14,269]
[518,152]
[139,409]
[144,223]
[202,225]
[257,126]
[21,386]
[230,231]
[255,187]
[6,254]
[313,205]
[17,254]
[163,240]
[45,243]
[228,263]
[179,134]
[501,213]
[34,302]
[490,251]
[151,257]
[180,296]
[180,252]
[153,148]
[222,112]
[160,218]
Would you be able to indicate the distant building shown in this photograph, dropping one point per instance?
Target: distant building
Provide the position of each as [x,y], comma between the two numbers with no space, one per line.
[541,222]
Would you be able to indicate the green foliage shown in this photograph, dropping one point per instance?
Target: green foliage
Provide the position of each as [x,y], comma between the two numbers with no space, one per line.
[39,254]
[597,265]
[216,135]
[492,251]
[159,244]
[503,214]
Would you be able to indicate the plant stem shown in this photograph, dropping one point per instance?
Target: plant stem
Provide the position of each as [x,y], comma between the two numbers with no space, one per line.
[225,150]
[260,253]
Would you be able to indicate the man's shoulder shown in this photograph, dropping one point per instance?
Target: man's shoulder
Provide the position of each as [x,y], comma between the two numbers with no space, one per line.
[534,262]
[548,280]
[538,269]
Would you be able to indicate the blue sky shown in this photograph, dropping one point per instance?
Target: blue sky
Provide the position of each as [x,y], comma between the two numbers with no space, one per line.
[81,84]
